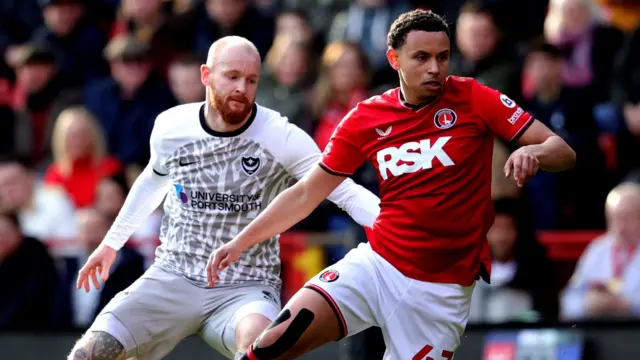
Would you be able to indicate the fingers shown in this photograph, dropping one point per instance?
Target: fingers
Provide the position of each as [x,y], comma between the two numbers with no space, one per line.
[94,278]
[525,167]
[82,278]
[224,263]
[507,167]
[212,268]
[104,272]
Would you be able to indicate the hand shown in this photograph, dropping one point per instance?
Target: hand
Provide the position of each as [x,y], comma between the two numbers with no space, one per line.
[220,259]
[99,262]
[601,302]
[522,165]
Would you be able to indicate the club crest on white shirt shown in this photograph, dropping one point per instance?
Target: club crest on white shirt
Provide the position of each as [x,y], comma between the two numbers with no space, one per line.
[250,164]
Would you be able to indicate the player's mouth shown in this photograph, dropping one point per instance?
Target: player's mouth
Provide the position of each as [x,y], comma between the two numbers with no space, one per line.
[432,85]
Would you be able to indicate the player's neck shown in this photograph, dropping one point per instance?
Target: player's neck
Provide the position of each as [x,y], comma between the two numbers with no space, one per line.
[414,102]
[216,123]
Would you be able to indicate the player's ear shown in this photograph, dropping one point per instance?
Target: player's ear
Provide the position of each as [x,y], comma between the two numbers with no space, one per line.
[392,57]
[205,72]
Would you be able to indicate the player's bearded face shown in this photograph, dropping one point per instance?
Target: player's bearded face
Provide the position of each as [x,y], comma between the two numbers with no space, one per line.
[233,108]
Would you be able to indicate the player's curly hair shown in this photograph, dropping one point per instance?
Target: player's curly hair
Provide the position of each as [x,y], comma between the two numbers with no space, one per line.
[422,20]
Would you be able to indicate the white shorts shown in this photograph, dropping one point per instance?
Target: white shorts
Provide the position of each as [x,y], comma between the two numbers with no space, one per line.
[160,309]
[418,319]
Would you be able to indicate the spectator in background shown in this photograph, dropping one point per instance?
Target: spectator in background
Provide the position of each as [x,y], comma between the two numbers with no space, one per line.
[295,22]
[366,23]
[111,195]
[214,19]
[79,155]
[18,20]
[321,14]
[558,199]
[7,115]
[482,52]
[521,286]
[284,82]
[343,82]
[127,268]
[151,21]
[76,41]
[606,282]
[45,212]
[626,95]
[28,278]
[38,85]
[577,27]
[127,103]
[184,79]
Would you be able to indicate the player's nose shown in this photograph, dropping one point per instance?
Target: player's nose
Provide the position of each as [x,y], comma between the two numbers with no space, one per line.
[433,68]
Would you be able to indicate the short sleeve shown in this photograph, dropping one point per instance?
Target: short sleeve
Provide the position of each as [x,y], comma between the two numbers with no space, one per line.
[342,156]
[158,154]
[504,117]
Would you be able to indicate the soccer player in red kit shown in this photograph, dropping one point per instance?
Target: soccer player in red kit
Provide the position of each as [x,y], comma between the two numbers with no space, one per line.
[431,141]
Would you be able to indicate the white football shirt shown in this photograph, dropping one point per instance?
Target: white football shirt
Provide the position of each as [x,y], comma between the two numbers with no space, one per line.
[219,182]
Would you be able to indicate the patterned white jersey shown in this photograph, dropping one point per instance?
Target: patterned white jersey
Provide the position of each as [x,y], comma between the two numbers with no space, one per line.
[221,181]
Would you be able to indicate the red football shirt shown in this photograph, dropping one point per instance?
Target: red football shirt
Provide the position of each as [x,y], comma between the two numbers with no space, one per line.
[434,168]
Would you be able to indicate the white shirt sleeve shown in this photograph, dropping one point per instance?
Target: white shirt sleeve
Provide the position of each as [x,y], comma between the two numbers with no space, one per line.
[145,195]
[302,154]
[572,299]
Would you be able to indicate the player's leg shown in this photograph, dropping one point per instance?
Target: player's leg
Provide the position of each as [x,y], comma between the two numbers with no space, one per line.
[146,320]
[424,320]
[98,345]
[332,305]
[249,328]
[307,322]
[234,316]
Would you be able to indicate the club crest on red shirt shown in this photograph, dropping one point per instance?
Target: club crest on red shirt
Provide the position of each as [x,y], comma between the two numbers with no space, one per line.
[445,118]
[329,276]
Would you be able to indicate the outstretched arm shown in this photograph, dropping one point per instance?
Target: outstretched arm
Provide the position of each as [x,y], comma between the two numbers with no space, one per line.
[287,209]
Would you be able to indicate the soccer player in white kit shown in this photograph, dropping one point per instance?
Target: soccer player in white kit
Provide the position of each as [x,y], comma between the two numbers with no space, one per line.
[218,163]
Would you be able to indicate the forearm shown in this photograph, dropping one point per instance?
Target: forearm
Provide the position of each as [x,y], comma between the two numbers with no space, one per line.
[554,154]
[362,205]
[145,196]
[287,209]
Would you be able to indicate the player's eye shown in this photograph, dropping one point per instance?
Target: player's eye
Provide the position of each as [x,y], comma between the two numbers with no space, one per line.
[421,57]
[443,57]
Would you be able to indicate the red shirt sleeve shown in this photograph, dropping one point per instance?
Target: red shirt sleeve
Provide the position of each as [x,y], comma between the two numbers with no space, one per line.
[503,116]
[342,155]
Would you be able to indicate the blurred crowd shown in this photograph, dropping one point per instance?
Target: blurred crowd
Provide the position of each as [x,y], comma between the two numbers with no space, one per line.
[81,82]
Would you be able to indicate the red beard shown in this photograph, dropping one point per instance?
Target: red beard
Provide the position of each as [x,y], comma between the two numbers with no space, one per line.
[232,116]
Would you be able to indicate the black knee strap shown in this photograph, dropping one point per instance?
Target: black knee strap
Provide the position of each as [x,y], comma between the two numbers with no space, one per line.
[290,336]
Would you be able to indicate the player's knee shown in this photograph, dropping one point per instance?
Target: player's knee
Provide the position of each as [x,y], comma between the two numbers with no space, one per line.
[248,330]
[97,345]
[283,334]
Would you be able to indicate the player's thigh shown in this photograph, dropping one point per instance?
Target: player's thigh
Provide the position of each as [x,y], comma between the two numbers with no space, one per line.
[332,305]
[352,289]
[151,316]
[306,322]
[237,315]
[428,322]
